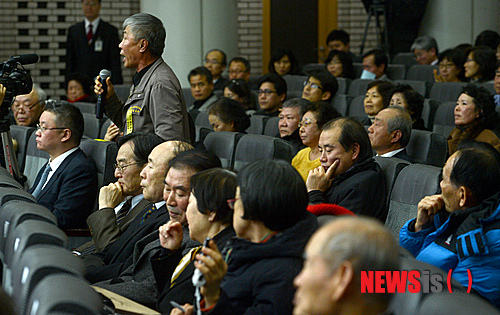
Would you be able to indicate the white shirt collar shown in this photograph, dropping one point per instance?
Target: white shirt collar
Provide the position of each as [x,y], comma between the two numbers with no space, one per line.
[159,204]
[95,24]
[54,164]
[135,201]
[391,153]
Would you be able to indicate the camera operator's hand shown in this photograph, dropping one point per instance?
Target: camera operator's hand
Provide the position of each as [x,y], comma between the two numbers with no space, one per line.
[2,93]
[98,87]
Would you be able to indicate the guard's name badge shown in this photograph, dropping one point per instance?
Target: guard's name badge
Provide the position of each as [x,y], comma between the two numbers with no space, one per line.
[98,45]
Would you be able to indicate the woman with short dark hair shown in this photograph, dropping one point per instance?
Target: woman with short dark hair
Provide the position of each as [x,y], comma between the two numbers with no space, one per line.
[228,115]
[480,64]
[339,63]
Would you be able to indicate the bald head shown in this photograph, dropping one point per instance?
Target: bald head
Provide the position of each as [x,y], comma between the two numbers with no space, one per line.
[154,173]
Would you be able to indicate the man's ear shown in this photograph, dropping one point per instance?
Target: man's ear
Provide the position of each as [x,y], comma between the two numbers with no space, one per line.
[326,96]
[465,197]
[144,45]
[341,280]
[396,136]
[282,97]
[355,151]
[66,135]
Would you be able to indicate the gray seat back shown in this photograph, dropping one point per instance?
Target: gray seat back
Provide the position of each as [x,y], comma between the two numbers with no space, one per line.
[35,160]
[295,82]
[446,91]
[427,147]
[22,135]
[271,128]
[358,87]
[391,167]
[257,124]
[444,119]
[223,145]
[421,73]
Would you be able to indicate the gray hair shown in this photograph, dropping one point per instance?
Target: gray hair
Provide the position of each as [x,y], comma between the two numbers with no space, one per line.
[148,27]
[424,43]
[366,244]
[297,102]
[400,121]
[40,93]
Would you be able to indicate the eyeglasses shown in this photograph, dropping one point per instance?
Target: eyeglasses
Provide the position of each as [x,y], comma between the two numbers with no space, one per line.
[16,106]
[231,202]
[306,123]
[236,71]
[446,65]
[43,129]
[266,92]
[213,61]
[469,60]
[120,168]
[312,85]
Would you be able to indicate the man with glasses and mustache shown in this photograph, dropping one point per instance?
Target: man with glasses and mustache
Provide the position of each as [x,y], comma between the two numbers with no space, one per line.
[67,184]
[27,108]
[272,94]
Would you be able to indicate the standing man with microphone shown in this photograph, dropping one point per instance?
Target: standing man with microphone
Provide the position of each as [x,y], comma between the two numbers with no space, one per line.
[155,103]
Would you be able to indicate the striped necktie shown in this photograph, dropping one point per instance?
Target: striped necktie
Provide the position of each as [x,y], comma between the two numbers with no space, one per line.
[148,213]
[123,211]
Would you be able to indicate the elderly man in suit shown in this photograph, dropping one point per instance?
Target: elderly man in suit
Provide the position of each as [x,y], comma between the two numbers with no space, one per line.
[155,103]
[92,45]
[67,184]
[121,201]
[116,257]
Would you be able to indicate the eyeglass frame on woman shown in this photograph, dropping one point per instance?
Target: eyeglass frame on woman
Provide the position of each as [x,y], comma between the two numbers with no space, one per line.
[306,123]
[121,167]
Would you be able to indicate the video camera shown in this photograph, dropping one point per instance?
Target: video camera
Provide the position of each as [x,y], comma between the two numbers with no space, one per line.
[15,79]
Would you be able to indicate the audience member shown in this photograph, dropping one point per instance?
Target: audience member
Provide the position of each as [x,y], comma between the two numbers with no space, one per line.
[27,108]
[272,94]
[208,215]
[321,85]
[137,282]
[338,40]
[451,66]
[79,89]
[156,103]
[457,229]
[239,91]
[115,258]
[375,65]
[390,133]
[92,45]
[315,117]
[215,61]
[283,62]
[348,175]
[272,230]
[290,117]
[426,50]
[475,117]
[121,201]
[488,38]
[67,183]
[405,96]
[480,65]
[378,97]
[335,256]
[339,63]
[202,89]
[239,68]
[496,85]
[227,115]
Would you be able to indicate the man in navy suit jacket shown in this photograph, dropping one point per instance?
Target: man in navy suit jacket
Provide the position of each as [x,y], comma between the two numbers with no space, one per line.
[390,133]
[90,54]
[69,187]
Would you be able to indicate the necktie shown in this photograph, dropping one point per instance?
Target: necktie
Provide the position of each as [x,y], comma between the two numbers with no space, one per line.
[42,181]
[147,214]
[123,211]
[90,34]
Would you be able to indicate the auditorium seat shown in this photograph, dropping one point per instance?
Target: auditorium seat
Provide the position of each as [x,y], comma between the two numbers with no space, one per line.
[413,183]
[306,69]
[223,145]
[444,119]
[89,108]
[272,128]
[251,148]
[202,120]
[421,87]
[341,103]
[427,147]
[421,73]
[343,85]
[38,262]
[257,124]
[35,160]
[295,82]
[104,128]
[8,181]
[429,112]
[391,167]
[56,294]
[446,91]
[22,135]
[358,87]
[11,193]
[396,72]
[357,107]
[405,58]
[92,125]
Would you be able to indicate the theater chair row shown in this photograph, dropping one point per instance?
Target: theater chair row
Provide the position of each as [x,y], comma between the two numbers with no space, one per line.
[39,273]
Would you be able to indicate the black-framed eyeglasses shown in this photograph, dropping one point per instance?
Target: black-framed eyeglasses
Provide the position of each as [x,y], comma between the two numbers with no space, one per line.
[266,92]
[312,85]
[17,106]
[43,129]
[231,202]
[120,168]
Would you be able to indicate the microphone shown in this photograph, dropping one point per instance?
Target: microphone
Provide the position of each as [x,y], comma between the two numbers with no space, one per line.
[103,75]
[26,59]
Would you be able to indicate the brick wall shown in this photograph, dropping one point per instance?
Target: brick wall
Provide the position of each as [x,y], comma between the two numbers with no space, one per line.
[250,33]
[40,27]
